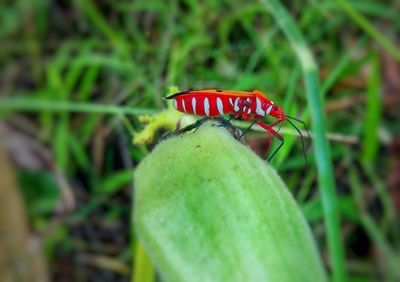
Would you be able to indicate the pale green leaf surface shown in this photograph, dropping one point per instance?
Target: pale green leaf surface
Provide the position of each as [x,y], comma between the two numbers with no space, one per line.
[208,209]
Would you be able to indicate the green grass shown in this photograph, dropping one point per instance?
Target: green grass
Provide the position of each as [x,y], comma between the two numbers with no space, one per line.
[23,104]
[76,76]
[369,28]
[321,146]
[373,113]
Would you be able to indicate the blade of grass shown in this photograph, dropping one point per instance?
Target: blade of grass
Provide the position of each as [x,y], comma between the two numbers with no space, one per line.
[374,232]
[78,152]
[98,20]
[370,143]
[336,72]
[88,82]
[30,33]
[38,105]
[115,63]
[321,146]
[388,219]
[111,184]
[306,187]
[365,25]
[59,88]
[290,141]
[60,144]
[86,129]
[371,8]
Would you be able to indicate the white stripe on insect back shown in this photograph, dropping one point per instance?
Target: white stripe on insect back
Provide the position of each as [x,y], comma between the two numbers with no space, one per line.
[269,109]
[220,106]
[206,106]
[194,105]
[230,101]
[175,104]
[247,106]
[259,110]
[183,105]
[236,106]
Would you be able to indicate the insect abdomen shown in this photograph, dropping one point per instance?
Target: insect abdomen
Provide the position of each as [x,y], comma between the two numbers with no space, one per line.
[204,105]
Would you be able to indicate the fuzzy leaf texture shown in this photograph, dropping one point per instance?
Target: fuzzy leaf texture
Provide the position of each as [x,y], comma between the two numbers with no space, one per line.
[208,209]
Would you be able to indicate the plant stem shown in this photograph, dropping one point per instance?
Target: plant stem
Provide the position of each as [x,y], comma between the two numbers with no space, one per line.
[321,146]
[36,105]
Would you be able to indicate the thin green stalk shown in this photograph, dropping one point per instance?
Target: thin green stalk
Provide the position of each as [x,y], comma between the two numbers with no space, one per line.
[373,113]
[37,105]
[365,25]
[373,230]
[321,146]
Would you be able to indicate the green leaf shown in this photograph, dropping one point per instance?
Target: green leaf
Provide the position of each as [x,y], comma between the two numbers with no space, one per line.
[114,182]
[370,145]
[208,209]
[41,195]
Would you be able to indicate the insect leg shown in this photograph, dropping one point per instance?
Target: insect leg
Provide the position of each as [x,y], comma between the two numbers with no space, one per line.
[230,118]
[247,129]
[277,149]
[200,122]
[271,131]
[192,126]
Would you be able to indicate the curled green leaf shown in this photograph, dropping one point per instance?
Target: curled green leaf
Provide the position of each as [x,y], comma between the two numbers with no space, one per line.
[208,209]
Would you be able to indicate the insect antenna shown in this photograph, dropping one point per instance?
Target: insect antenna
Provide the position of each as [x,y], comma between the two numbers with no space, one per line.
[305,147]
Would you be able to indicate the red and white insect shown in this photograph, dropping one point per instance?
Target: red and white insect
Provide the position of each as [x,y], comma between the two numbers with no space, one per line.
[245,105]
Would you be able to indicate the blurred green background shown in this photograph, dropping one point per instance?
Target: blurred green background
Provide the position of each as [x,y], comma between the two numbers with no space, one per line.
[76,75]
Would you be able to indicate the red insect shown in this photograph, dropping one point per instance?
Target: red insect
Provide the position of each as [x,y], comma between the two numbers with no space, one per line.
[244,105]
